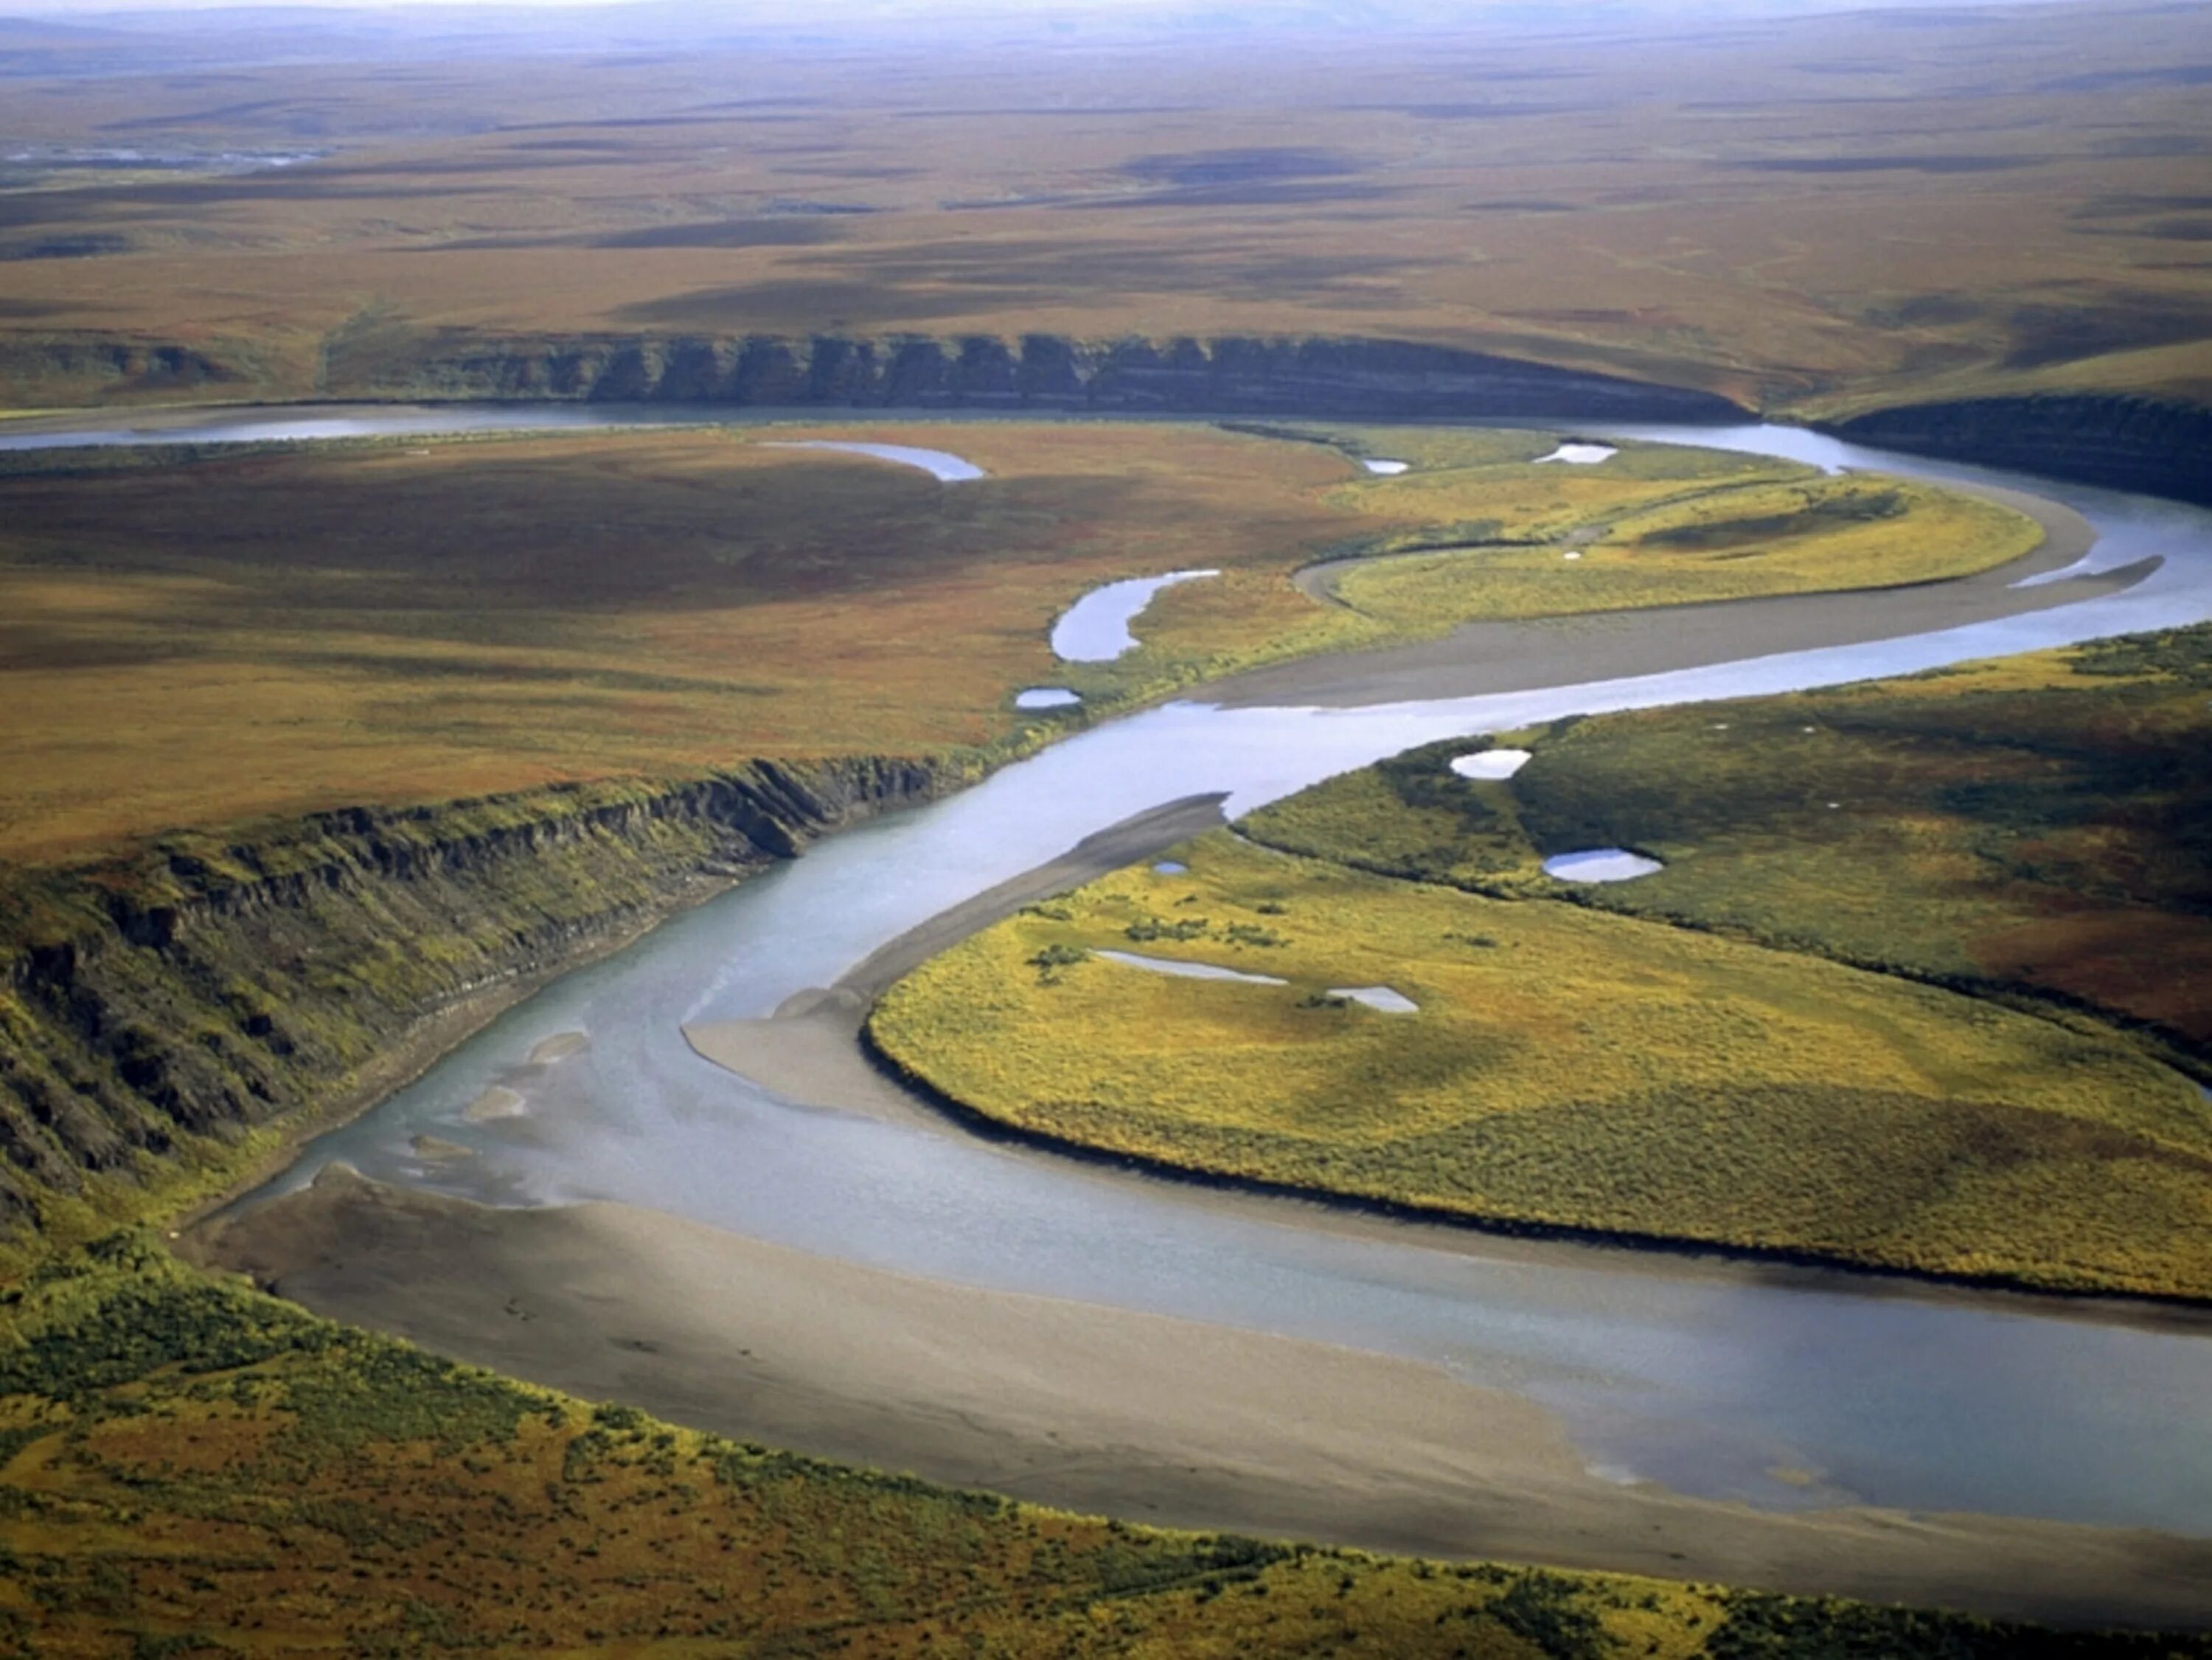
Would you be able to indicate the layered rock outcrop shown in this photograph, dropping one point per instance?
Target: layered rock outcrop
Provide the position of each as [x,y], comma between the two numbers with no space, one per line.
[2140,444]
[210,986]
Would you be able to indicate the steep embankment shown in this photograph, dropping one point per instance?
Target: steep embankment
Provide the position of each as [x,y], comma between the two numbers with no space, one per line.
[2142,444]
[165,1015]
[2123,442]
[1227,375]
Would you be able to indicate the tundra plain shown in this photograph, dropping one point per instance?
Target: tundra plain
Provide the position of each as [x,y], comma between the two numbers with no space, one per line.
[1813,215]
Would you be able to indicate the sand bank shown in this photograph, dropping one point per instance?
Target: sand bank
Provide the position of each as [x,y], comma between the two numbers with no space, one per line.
[1099,1409]
[808,1050]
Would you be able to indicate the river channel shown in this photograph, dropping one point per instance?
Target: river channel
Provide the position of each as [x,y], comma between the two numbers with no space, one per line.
[1785,1390]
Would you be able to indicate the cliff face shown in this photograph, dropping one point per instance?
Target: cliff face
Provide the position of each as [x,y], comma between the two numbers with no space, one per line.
[167,1007]
[48,372]
[1039,372]
[1232,375]
[2124,443]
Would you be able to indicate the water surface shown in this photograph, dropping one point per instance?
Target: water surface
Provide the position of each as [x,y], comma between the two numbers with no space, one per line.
[1096,628]
[1491,764]
[1711,1385]
[940,464]
[1600,864]
[1187,971]
[1385,998]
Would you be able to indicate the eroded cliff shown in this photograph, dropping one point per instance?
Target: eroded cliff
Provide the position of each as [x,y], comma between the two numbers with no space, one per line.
[1229,375]
[2139,444]
[160,1012]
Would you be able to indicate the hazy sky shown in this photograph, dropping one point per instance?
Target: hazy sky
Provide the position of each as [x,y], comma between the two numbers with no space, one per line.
[853,11]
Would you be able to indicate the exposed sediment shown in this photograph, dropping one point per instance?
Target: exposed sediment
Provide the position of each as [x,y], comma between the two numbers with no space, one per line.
[1234,374]
[1104,1409]
[2146,445]
[156,1010]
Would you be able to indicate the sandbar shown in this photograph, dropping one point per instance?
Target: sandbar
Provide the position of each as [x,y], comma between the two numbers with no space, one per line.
[1104,1411]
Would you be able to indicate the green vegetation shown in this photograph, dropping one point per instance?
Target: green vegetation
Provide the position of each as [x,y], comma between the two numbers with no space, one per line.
[174,1014]
[1577,1071]
[1845,1046]
[1714,544]
[221,639]
[1682,211]
[197,639]
[188,1467]
[2032,829]
[209,642]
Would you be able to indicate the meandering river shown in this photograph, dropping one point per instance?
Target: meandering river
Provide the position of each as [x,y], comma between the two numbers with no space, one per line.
[1788,1390]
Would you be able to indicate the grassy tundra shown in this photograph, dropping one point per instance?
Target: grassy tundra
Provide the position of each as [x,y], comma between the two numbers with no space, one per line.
[1774,1043]
[188,1467]
[2029,830]
[1706,544]
[1809,214]
[201,640]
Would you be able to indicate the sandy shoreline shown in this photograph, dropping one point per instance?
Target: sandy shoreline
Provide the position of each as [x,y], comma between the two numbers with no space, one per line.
[809,1052]
[430,1041]
[1103,1410]
[813,1051]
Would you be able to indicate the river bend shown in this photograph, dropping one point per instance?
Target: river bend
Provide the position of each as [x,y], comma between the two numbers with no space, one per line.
[1786,1390]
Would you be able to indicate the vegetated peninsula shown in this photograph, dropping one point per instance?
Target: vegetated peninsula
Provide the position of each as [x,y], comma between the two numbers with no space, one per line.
[1881,995]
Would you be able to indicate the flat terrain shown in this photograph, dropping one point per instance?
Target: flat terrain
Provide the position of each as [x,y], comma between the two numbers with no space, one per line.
[1092,1407]
[1589,1066]
[1565,1067]
[2029,829]
[1808,215]
[1725,544]
[198,641]
[1811,217]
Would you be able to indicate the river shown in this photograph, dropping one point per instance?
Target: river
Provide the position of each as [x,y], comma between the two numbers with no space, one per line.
[1785,1390]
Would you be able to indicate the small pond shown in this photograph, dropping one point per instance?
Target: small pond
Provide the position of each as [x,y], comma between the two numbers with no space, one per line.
[1600,864]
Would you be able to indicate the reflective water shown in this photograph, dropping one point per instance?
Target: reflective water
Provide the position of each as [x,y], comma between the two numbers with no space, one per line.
[1711,1385]
[270,426]
[1096,628]
[1600,864]
[941,465]
[1491,764]
[1188,971]
[1386,998]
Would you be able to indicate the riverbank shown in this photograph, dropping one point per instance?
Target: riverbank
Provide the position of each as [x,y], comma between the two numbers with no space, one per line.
[1480,658]
[808,1050]
[275,943]
[1104,1411]
[815,1052]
